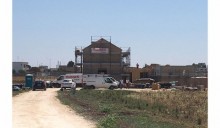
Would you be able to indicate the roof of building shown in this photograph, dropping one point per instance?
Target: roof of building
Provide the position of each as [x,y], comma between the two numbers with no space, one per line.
[100,43]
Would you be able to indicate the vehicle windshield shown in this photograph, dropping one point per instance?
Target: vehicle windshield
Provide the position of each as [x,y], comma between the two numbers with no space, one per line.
[38,82]
[113,79]
[67,80]
[108,80]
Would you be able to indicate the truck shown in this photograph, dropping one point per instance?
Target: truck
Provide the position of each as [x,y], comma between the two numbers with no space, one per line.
[93,81]
[80,79]
[76,77]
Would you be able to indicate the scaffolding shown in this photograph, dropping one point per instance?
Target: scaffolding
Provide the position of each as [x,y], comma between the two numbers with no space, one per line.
[79,58]
[125,57]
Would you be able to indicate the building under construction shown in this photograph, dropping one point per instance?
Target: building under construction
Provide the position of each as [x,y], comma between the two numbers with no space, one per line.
[102,56]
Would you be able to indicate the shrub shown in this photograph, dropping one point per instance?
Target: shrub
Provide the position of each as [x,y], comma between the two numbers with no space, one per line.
[105,108]
[108,122]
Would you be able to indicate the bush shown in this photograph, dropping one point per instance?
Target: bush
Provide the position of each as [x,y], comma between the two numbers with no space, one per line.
[108,122]
[105,108]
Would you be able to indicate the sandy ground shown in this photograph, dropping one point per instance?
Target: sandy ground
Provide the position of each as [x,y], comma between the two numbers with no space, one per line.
[41,109]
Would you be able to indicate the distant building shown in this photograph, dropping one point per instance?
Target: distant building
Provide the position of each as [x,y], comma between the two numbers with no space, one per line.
[17,66]
[53,69]
[102,56]
[44,70]
[66,68]
[167,73]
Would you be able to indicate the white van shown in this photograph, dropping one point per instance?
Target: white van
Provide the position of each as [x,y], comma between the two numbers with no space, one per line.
[98,81]
[77,77]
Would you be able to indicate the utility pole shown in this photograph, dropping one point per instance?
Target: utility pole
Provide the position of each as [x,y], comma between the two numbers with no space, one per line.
[50,70]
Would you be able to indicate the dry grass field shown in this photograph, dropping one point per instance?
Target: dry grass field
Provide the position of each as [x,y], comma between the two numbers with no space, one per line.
[132,109]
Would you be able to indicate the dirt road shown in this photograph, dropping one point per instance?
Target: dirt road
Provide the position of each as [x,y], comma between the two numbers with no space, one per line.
[41,109]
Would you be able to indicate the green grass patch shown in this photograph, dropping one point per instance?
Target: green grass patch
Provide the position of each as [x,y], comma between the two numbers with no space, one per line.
[14,93]
[127,109]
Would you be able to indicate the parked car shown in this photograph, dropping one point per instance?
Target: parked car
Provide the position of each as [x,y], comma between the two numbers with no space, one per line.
[138,85]
[68,83]
[143,83]
[20,85]
[54,84]
[48,84]
[16,88]
[165,85]
[39,84]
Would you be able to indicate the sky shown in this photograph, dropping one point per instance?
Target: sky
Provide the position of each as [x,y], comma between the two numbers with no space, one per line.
[27,28]
[171,32]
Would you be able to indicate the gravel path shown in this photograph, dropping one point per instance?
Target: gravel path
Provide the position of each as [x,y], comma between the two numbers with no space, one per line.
[41,109]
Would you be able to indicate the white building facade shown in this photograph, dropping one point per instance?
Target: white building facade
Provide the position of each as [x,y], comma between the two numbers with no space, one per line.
[19,66]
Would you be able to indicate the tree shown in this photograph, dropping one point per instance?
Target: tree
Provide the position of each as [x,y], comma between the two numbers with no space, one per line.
[22,72]
[70,64]
[13,71]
